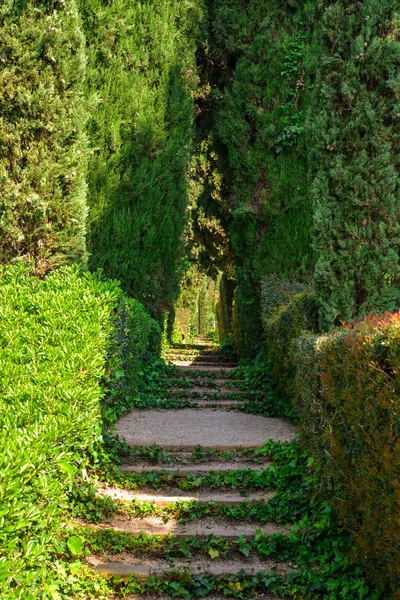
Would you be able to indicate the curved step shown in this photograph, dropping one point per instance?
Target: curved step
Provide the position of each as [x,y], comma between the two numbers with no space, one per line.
[186,365]
[186,429]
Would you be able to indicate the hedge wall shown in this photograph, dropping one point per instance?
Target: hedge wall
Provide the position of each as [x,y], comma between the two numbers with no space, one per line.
[62,340]
[348,385]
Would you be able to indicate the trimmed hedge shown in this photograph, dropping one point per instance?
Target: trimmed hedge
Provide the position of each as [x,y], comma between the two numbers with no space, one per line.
[288,309]
[348,386]
[281,332]
[277,292]
[55,337]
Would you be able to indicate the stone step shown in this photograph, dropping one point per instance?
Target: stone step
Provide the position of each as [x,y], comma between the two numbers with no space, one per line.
[215,404]
[208,358]
[206,456]
[205,389]
[200,347]
[182,455]
[207,400]
[221,467]
[174,495]
[191,352]
[189,448]
[123,565]
[186,429]
[200,528]
[186,365]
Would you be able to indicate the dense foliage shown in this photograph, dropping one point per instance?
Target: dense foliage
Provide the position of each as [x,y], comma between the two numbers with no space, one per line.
[255,142]
[259,65]
[43,147]
[343,389]
[303,99]
[141,78]
[348,399]
[354,149]
[61,341]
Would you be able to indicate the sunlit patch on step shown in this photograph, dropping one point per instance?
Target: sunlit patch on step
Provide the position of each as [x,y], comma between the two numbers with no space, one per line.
[200,528]
[174,496]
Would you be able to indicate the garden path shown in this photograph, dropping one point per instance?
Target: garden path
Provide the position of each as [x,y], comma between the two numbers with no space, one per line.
[208,465]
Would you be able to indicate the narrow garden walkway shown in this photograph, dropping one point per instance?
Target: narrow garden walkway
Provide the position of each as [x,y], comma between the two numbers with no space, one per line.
[209,456]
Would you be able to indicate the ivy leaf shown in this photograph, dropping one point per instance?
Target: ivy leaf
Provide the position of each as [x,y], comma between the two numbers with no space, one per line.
[213,553]
[75,545]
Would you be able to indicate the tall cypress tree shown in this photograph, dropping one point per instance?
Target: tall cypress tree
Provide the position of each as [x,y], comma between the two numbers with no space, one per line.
[264,69]
[355,158]
[42,140]
[141,71]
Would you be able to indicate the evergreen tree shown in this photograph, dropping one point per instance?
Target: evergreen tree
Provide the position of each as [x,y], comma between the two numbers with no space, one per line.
[43,146]
[141,74]
[354,155]
[264,70]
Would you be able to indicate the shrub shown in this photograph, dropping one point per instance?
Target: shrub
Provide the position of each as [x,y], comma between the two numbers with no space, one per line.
[55,335]
[43,146]
[281,331]
[348,386]
[277,292]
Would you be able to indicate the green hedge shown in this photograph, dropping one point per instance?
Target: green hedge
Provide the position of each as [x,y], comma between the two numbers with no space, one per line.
[344,389]
[348,385]
[288,308]
[281,332]
[55,337]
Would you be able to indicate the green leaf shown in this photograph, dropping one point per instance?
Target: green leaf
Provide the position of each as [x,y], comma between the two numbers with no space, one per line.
[213,553]
[66,467]
[75,545]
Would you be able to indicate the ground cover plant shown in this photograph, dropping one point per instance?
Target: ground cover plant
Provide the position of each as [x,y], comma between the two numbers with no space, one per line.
[316,549]
[58,350]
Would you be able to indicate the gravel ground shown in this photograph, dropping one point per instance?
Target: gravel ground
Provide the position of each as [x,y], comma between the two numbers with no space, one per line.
[205,427]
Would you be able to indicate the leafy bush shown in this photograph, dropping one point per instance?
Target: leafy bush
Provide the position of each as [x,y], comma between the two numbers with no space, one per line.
[281,332]
[55,337]
[288,308]
[348,386]
[276,292]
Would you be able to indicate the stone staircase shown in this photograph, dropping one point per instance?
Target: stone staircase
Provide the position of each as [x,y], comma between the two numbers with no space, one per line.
[209,440]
